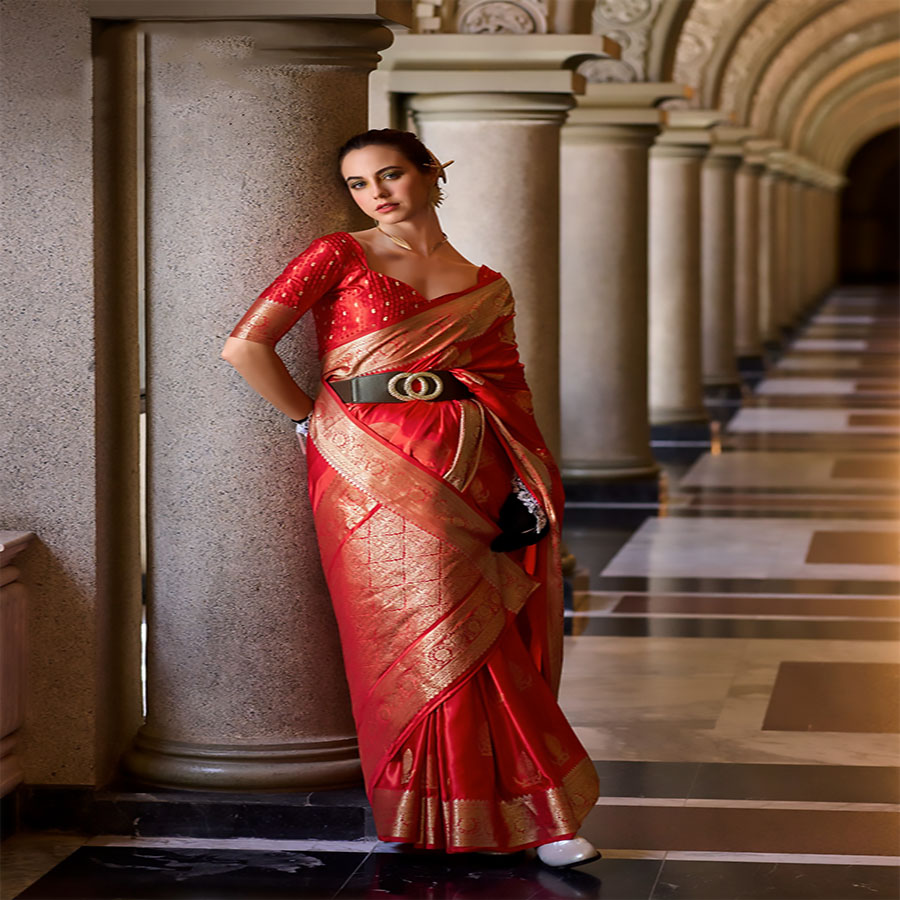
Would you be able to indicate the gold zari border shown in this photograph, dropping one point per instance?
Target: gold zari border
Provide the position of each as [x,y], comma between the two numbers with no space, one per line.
[410,815]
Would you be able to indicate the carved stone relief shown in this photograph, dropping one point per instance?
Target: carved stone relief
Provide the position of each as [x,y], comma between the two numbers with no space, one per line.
[629,22]
[708,23]
[502,17]
[773,19]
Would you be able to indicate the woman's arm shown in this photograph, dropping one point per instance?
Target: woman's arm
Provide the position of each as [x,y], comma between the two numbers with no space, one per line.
[261,367]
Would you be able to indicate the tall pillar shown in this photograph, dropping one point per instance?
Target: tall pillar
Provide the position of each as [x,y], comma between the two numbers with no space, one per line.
[717,254]
[748,248]
[603,279]
[245,687]
[769,257]
[811,243]
[797,262]
[784,250]
[502,209]
[676,384]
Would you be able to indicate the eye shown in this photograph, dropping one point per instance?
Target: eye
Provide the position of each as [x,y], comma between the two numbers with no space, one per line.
[391,175]
[353,185]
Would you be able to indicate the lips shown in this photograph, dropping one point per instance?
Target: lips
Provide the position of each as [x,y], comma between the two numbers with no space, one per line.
[385,206]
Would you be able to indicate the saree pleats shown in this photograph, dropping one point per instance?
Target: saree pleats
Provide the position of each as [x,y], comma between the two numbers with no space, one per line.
[452,651]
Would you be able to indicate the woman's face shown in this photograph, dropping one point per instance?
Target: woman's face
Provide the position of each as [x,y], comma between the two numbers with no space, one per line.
[386,186]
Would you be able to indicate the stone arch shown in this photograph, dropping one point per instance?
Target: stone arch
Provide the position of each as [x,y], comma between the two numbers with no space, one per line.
[879,120]
[818,46]
[850,121]
[759,44]
[802,82]
[866,70]
[705,42]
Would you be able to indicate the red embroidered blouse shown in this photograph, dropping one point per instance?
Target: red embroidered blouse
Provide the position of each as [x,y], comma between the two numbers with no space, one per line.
[348,299]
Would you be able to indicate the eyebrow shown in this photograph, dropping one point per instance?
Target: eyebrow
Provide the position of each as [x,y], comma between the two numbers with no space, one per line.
[382,169]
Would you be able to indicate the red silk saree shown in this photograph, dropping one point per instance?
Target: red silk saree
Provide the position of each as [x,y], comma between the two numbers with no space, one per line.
[453,652]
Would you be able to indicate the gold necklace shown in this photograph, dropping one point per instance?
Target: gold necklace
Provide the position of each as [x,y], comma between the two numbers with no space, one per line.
[401,243]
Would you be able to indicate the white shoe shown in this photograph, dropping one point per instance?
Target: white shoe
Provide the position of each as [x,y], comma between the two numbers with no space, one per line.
[572,852]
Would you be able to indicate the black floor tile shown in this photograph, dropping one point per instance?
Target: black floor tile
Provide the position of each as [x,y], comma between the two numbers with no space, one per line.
[476,877]
[783,781]
[152,873]
[639,778]
[689,880]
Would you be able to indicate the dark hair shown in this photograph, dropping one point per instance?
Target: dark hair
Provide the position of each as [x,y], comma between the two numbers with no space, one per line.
[404,141]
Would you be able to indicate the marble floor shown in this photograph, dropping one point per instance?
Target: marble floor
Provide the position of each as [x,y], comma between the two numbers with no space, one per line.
[732,665]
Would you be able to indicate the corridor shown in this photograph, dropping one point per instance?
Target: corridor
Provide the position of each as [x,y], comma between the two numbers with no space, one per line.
[732,669]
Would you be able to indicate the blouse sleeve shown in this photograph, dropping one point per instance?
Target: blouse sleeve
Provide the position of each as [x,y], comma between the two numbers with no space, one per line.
[277,309]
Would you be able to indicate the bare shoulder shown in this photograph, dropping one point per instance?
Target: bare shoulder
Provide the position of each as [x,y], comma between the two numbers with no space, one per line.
[363,237]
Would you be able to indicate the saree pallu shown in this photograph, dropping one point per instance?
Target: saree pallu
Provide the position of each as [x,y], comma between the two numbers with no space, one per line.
[453,652]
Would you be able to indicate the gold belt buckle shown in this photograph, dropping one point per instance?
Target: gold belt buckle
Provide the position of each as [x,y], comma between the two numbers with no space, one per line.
[408,392]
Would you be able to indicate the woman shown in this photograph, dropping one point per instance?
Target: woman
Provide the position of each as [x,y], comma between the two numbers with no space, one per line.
[437,508]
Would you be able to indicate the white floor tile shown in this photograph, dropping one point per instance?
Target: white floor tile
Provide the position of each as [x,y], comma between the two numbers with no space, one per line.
[801,386]
[807,421]
[740,548]
[786,470]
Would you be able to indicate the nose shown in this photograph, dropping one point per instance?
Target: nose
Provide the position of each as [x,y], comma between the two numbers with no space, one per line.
[378,190]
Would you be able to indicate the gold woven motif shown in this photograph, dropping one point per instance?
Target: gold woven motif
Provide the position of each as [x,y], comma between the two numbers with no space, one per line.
[474,823]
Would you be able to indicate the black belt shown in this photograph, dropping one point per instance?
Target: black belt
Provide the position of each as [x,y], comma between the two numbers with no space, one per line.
[400,387]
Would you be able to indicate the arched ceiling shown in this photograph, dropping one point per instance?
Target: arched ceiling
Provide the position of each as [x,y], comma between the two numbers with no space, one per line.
[878,65]
[843,153]
[816,40]
[832,71]
[809,73]
[758,46]
[850,117]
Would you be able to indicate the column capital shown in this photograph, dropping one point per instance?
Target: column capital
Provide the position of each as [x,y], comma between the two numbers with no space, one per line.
[346,44]
[728,144]
[496,52]
[752,167]
[491,63]
[622,111]
[493,106]
[399,11]
[687,132]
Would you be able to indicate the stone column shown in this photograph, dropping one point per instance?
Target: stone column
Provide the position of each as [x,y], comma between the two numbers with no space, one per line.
[797,260]
[748,248]
[606,432]
[676,385]
[785,251]
[812,244]
[769,257]
[245,682]
[717,252]
[502,209]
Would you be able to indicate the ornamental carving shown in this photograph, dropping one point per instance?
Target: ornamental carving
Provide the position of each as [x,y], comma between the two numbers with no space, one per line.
[502,17]
[756,41]
[708,23]
[601,71]
[625,12]
[630,23]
